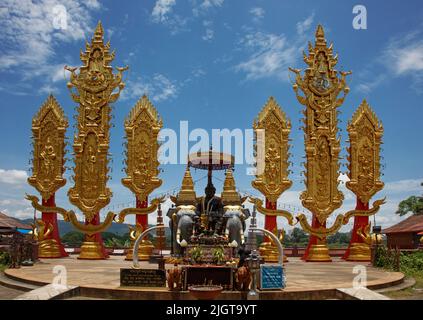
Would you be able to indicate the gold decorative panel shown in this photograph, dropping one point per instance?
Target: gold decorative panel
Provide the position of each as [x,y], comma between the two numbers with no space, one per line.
[321,85]
[142,127]
[273,181]
[96,87]
[48,134]
[365,135]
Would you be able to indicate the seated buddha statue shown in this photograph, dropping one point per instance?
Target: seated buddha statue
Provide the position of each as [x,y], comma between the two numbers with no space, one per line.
[210,209]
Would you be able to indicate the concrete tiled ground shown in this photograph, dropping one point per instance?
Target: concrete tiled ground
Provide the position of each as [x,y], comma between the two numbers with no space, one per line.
[105,273]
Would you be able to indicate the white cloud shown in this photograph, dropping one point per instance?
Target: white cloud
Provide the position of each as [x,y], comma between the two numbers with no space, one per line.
[410,185]
[158,88]
[368,86]
[163,13]
[304,26]
[271,54]
[13,177]
[209,35]
[257,13]
[161,10]
[343,178]
[205,5]
[401,57]
[31,33]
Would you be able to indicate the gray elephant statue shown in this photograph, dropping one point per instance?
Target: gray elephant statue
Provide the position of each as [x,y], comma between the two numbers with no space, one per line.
[181,223]
[235,217]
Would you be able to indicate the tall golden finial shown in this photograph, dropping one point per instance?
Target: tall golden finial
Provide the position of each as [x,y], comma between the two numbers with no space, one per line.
[320,36]
[187,194]
[96,88]
[99,32]
[229,195]
[324,90]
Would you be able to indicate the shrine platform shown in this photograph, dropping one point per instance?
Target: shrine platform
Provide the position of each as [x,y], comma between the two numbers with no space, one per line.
[100,279]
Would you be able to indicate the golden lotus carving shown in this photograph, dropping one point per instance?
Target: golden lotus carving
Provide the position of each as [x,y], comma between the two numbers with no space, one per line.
[321,85]
[273,180]
[142,127]
[96,86]
[365,135]
[48,129]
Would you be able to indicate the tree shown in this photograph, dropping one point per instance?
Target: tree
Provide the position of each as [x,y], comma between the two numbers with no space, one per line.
[413,204]
[73,238]
[297,237]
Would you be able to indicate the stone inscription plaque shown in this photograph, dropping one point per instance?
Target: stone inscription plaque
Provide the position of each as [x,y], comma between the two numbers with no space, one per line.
[142,278]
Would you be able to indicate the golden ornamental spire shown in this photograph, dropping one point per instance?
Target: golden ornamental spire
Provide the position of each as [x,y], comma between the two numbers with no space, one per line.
[365,136]
[48,133]
[142,127]
[321,85]
[229,195]
[186,195]
[320,36]
[95,86]
[273,180]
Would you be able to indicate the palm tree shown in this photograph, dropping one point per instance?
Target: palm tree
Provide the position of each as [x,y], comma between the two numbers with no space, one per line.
[413,204]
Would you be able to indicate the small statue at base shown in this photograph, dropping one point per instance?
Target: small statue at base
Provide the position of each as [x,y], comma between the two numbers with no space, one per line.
[174,278]
[15,250]
[243,278]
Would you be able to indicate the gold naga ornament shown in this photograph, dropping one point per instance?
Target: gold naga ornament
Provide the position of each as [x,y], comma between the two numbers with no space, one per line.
[48,134]
[95,86]
[321,86]
[271,129]
[47,247]
[365,136]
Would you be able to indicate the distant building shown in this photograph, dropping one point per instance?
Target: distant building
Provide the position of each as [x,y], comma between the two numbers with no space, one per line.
[8,224]
[405,235]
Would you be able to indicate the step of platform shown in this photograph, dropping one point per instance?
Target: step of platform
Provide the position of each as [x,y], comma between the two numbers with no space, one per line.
[50,292]
[407,283]
[8,282]
[360,294]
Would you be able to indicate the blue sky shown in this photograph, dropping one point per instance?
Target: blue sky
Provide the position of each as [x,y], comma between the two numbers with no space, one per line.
[214,63]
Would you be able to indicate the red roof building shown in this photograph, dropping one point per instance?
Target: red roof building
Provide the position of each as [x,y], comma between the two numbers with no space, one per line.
[406,234]
[8,223]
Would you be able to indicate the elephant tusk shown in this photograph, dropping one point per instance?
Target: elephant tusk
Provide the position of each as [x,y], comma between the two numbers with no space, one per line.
[178,236]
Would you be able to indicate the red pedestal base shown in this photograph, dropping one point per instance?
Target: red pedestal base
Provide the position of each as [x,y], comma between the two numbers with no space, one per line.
[51,218]
[359,222]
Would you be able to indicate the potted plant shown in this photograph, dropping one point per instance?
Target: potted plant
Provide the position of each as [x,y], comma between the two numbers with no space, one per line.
[218,255]
[196,254]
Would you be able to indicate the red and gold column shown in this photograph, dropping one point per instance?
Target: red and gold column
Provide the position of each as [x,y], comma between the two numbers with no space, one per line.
[271,129]
[141,223]
[48,129]
[94,88]
[321,85]
[365,133]
[55,249]
[142,127]
[317,249]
